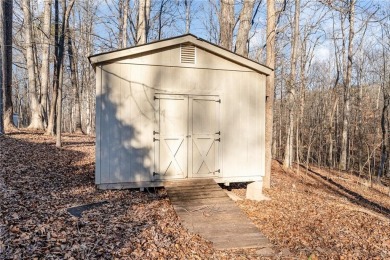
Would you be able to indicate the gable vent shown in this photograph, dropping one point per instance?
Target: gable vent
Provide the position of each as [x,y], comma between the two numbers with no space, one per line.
[187,53]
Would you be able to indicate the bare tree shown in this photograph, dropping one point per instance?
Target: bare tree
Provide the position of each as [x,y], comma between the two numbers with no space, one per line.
[1,93]
[269,117]
[226,24]
[6,70]
[143,21]
[36,115]
[123,21]
[187,4]
[53,103]
[289,149]
[45,58]
[61,46]
[74,81]
[385,86]
[244,27]
[346,113]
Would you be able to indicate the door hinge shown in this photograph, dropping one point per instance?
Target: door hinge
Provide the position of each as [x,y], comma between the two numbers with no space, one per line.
[218,101]
[155,173]
[218,133]
[155,97]
[155,139]
[155,133]
[219,139]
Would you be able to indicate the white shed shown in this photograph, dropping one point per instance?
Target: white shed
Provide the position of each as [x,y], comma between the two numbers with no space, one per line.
[178,108]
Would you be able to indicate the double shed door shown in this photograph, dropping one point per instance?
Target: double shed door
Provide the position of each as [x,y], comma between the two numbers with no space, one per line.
[187,137]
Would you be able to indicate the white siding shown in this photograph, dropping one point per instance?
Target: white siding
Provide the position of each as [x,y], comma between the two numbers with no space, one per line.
[126,113]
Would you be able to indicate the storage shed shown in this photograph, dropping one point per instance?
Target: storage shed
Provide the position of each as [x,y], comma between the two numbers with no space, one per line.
[178,108]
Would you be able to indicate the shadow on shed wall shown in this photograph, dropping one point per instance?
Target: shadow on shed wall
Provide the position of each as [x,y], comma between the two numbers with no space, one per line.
[123,158]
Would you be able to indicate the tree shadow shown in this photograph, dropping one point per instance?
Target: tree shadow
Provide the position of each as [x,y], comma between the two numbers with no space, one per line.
[348,194]
[38,182]
[122,156]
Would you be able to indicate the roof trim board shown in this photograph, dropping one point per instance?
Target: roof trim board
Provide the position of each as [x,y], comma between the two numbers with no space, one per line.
[187,38]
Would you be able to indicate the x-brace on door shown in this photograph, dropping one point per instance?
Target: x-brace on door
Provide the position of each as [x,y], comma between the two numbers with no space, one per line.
[187,137]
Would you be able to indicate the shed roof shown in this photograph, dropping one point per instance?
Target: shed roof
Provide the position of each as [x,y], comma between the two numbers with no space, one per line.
[186,38]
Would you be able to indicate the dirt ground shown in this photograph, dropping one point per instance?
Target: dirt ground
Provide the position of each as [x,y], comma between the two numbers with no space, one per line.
[317,214]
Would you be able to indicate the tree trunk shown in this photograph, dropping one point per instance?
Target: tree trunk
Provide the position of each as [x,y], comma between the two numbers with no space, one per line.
[385,134]
[53,103]
[1,78]
[143,21]
[75,86]
[36,115]
[160,19]
[226,23]
[60,42]
[61,47]
[270,92]
[1,90]
[385,124]
[187,4]
[59,107]
[347,110]
[244,27]
[6,52]
[123,17]
[45,58]
[289,150]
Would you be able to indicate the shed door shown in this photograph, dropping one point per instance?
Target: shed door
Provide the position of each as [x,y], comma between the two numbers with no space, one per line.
[172,137]
[204,136]
[187,137]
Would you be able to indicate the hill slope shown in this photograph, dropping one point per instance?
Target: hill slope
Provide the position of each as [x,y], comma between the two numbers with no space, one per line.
[318,214]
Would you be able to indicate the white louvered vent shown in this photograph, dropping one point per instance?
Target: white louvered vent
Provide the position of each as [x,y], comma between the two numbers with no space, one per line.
[187,53]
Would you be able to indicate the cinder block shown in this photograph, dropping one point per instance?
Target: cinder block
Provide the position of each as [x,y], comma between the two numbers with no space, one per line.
[254,191]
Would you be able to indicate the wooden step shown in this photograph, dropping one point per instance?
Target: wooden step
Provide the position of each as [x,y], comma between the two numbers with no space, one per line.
[204,208]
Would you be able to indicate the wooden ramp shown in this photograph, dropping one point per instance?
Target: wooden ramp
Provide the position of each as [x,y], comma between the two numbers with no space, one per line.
[204,208]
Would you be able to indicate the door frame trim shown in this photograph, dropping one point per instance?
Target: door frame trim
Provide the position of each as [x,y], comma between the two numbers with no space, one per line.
[214,98]
[188,96]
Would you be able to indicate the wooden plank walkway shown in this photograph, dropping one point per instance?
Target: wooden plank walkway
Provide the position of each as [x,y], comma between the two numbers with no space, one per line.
[204,208]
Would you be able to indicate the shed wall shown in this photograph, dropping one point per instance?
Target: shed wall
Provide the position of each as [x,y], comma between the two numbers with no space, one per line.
[126,113]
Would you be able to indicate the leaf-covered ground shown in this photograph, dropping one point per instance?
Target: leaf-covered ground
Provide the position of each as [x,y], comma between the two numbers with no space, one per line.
[318,214]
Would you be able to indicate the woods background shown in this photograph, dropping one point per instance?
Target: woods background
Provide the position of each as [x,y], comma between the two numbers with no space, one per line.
[332,82]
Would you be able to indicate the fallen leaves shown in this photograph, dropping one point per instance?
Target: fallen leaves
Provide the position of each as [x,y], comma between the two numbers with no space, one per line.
[306,217]
[317,219]
[38,182]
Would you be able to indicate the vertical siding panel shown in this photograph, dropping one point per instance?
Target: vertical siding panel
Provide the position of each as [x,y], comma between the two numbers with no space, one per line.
[138,152]
[98,126]
[257,116]
[115,123]
[131,113]
[253,145]
[248,129]
[261,120]
[232,141]
[124,113]
[104,134]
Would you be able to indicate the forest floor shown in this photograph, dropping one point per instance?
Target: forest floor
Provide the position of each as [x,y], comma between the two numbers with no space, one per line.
[311,215]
